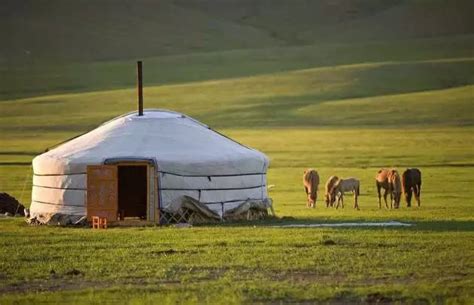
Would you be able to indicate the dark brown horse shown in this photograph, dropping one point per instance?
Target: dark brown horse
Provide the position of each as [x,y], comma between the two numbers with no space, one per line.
[411,182]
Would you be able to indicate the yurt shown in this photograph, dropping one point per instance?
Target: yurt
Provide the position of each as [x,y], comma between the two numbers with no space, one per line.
[158,166]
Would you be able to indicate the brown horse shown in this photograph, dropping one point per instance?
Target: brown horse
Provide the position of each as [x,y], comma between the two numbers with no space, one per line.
[389,180]
[342,186]
[411,182]
[311,183]
[395,188]
[329,185]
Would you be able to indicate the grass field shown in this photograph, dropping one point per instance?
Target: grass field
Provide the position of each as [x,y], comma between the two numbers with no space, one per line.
[344,86]
[257,263]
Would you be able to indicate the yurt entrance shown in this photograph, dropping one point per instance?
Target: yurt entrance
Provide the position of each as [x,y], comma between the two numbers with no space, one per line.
[132,191]
[121,191]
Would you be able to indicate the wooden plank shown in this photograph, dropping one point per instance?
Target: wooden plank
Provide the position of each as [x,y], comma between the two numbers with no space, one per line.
[102,191]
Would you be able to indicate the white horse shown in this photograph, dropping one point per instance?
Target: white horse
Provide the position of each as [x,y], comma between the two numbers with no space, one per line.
[343,186]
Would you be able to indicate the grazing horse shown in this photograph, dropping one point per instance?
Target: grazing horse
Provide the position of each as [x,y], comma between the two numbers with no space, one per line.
[411,182]
[342,186]
[310,183]
[381,181]
[329,185]
[389,180]
[395,188]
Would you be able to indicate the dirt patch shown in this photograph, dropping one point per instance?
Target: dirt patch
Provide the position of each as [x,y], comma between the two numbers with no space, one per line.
[251,242]
[384,245]
[378,298]
[328,242]
[306,276]
[302,245]
[53,284]
[168,252]
[74,272]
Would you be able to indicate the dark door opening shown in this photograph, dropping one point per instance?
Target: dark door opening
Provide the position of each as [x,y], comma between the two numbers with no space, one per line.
[132,191]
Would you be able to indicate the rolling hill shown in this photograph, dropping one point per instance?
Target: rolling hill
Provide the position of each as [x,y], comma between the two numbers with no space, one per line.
[73,46]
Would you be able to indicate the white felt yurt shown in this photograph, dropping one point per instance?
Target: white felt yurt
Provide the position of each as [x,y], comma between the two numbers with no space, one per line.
[148,167]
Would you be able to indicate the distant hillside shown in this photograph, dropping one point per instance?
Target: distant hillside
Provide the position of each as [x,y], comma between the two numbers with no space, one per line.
[61,46]
[115,29]
[86,30]
[308,22]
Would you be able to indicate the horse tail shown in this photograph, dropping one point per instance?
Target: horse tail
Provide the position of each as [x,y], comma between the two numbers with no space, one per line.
[358,189]
[404,180]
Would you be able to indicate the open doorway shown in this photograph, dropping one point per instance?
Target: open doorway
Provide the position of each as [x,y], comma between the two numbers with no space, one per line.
[132,191]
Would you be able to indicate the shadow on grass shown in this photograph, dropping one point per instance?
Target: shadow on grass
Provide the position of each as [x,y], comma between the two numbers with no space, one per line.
[280,222]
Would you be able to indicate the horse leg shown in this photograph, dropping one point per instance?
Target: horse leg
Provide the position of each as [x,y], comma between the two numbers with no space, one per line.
[378,192]
[408,197]
[391,199]
[307,196]
[339,201]
[357,193]
[385,193]
[418,194]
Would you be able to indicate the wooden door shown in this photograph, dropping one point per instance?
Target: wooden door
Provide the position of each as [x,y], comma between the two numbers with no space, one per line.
[102,191]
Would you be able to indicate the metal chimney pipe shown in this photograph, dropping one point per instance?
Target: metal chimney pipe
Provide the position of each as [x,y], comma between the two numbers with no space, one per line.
[140,88]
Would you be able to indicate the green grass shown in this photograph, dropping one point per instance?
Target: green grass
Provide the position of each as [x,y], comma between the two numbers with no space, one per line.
[238,264]
[255,263]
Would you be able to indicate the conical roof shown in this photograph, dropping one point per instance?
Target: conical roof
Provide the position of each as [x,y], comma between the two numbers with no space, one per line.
[177,143]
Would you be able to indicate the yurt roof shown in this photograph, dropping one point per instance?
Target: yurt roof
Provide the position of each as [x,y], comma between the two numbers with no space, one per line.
[177,143]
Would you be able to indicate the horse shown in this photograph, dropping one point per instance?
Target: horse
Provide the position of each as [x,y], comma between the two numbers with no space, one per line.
[395,188]
[411,182]
[342,186]
[311,183]
[386,179]
[329,185]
